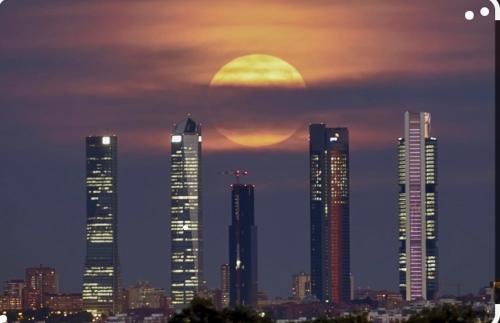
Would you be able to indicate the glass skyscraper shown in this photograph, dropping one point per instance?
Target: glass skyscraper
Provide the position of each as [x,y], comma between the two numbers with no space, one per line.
[242,247]
[186,221]
[329,212]
[418,225]
[101,278]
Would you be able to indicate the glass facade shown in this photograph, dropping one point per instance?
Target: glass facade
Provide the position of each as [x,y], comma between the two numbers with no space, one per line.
[418,252]
[243,247]
[101,278]
[329,211]
[186,221]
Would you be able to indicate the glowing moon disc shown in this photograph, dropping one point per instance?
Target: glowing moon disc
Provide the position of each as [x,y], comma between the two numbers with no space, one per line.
[258,70]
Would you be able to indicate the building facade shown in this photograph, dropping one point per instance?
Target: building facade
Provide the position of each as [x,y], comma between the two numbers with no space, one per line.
[242,247]
[329,213]
[301,286]
[143,295]
[14,288]
[224,285]
[39,282]
[186,218]
[66,303]
[101,277]
[418,225]
[12,296]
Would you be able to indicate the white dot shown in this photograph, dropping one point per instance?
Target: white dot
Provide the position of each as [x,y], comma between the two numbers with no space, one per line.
[469,15]
[485,11]
[185,227]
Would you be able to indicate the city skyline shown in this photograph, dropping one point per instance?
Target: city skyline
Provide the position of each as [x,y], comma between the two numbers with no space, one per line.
[58,90]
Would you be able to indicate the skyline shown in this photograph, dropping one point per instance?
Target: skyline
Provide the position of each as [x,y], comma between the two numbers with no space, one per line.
[60,99]
[184,125]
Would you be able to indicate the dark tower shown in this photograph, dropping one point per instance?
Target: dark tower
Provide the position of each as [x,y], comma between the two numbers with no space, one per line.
[242,247]
[101,278]
[329,211]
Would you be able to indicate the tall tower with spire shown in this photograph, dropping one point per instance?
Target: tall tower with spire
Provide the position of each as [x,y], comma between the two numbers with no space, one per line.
[186,220]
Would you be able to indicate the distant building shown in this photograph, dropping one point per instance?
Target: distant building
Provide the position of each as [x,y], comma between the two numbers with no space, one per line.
[186,220]
[224,285]
[329,211]
[216,296]
[144,295]
[351,281]
[12,296]
[9,303]
[101,277]
[418,221]
[31,299]
[388,296]
[14,288]
[66,303]
[301,286]
[39,282]
[243,247]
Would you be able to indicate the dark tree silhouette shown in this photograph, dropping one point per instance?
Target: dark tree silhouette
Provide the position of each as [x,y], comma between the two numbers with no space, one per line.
[448,314]
[203,311]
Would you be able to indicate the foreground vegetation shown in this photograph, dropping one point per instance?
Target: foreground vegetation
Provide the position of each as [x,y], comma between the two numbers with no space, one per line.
[449,314]
[203,311]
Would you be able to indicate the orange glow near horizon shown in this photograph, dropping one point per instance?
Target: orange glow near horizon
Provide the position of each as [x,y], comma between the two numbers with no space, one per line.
[258,138]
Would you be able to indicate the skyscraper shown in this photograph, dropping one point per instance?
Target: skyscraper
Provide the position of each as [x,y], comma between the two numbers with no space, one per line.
[329,212]
[242,247]
[418,225]
[101,277]
[186,221]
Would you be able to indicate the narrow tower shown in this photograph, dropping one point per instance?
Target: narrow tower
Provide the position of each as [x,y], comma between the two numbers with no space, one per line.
[418,225]
[186,221]
[329,211]
[242,247]
[101,278]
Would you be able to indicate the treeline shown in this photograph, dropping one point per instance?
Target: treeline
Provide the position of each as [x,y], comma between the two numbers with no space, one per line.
[203,311]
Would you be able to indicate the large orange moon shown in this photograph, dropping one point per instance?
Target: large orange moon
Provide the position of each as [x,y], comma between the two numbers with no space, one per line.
[258,71]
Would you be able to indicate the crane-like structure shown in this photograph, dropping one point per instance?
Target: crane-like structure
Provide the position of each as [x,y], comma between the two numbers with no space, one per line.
[236,173]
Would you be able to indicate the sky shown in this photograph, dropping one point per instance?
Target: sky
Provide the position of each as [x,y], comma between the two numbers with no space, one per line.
[69,69]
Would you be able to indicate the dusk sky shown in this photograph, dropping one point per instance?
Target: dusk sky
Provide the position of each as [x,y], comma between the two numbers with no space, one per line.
[69,69]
